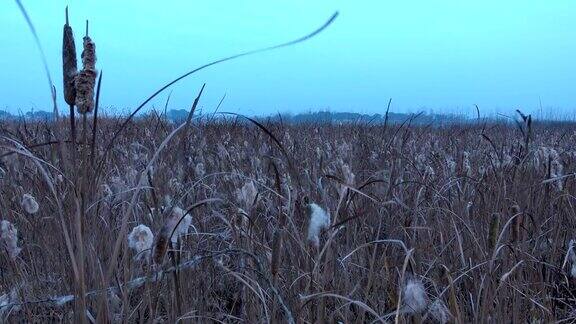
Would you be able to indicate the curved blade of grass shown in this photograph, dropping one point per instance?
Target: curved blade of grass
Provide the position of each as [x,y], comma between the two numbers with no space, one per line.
[229,58]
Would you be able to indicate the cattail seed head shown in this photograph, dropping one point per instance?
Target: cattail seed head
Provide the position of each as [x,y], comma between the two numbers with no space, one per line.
[9,303]
[199,170]
[175,226]
[494,230]
[572,258]
[319,220]
[86,79]
[247,194]
[140,240]
[415,299]
[161,244]
[276,251]
[89,54]
[69,65]
[185,220]
[439,312]
[29,204]
[9,236]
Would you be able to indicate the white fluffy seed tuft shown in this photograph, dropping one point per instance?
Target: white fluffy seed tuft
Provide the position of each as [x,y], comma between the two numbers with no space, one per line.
[29,204]
[141,240]
[6,306]
[319,220]
[439,311]
[9,235]
[415,298]
[182,228]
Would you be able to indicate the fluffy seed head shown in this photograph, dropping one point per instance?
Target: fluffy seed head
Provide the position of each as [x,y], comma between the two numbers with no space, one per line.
[247,194]
[140,240]
[29,204]
[572,258]
[415,298]
[319,220]
[9,236]
[86,79]
[199,170]
[439,311]
[7,299]
[172,230]
[183,226]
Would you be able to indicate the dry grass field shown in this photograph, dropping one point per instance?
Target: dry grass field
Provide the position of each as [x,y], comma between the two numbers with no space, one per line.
[436,224]
[235,220]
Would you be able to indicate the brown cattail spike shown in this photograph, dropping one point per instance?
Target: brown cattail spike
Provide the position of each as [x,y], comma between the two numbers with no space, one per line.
[69,63]
[161,244]
[517,224]
[86,79]
[494,231]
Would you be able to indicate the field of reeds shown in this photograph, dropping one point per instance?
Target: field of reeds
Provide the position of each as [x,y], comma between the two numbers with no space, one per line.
[288,223]
[232,219]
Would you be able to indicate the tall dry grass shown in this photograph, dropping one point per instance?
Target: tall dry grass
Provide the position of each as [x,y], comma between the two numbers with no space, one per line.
[487,236]
[469,223]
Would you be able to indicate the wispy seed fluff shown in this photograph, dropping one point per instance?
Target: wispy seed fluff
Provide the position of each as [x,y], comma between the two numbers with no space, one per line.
[319,220]
[415,298]
[182,228]
[171,230]
[199,170]
[9,236]
[29,204]
[439,311]
[141,240]
[7,299]
[572,258]
[247,194]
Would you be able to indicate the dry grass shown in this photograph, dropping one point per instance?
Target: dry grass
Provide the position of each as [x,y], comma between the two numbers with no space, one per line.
[465,223]
[473,219]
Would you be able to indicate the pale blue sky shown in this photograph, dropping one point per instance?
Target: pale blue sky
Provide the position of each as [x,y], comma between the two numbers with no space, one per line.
[444,56]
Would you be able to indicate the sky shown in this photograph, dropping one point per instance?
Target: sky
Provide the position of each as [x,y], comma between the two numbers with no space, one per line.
[432,56]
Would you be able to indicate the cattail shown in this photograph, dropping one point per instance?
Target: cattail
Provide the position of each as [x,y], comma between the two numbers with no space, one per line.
[106,191]
[276,251]
[439,311]
[69,63]
[466,164]
[494,231]
[200,170]
[86,79]
[572,257]
[175,226]
[319,220]
[161,244]
[469,209]
[349,177]
[8,299]
[175,185]
[248,194]
[415,299]
[9,235]
[451,165]
[185,221]
[140,240]
[29,204]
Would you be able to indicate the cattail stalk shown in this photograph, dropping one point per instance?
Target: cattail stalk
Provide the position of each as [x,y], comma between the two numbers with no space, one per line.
[494,231]
[70,70]
[516,224]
